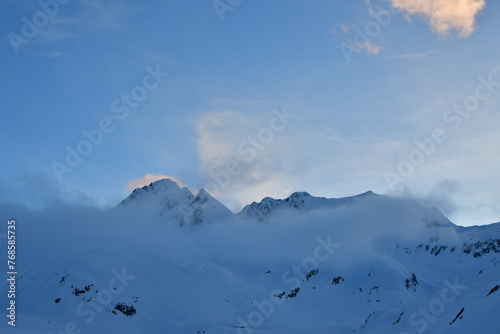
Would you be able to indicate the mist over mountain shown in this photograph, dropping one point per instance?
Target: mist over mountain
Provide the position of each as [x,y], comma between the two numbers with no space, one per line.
[166,260]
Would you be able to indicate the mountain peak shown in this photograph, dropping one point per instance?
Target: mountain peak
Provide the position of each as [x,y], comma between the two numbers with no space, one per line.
[299,194]
[161,184]
[368,193]
[157,191]
[298,201]
[175,204]
[202,196]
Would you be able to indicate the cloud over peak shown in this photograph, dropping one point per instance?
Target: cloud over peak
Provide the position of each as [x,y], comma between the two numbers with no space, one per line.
[445,16]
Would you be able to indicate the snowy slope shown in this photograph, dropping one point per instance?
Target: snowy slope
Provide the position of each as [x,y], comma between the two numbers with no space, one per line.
[365,264]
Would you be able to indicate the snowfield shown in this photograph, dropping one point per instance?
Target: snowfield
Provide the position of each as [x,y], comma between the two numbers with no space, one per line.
[166,260]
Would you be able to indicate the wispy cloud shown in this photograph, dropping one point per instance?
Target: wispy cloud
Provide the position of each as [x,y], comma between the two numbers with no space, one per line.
[93,18]
[54,54]
[349,34]
[371,48]
[414,55]
[445,16]
[231,137]
[107,15]
[55,34]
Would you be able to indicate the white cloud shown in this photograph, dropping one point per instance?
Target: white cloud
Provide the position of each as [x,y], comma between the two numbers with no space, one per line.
[348,34]
[371,48]
[221,137]
[445,16]
[217,133]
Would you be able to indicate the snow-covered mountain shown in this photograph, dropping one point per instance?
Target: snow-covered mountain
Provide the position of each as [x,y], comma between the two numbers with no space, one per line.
[176,205]
[363,264]
[296,203]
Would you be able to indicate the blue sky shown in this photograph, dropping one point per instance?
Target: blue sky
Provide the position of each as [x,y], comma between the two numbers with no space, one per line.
[262,98]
